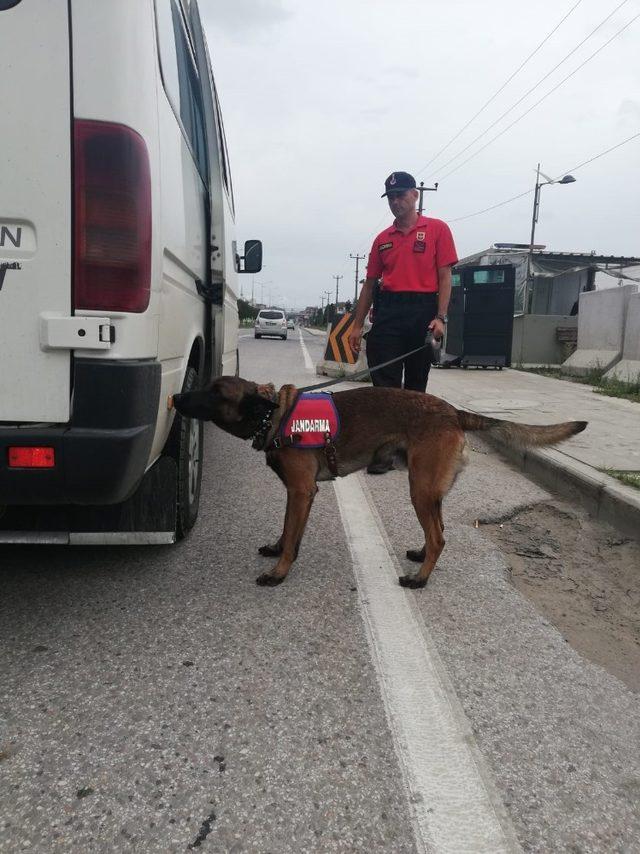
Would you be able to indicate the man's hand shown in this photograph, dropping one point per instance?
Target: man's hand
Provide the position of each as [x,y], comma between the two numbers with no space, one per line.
[437,327]
[355,338]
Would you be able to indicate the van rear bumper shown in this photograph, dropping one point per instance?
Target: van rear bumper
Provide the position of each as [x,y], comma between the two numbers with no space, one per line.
[102,453]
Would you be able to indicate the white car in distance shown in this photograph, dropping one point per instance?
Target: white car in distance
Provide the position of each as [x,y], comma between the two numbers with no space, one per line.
[271,321]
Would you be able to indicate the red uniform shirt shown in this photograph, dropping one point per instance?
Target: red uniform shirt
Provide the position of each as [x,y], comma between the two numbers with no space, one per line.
[410,262]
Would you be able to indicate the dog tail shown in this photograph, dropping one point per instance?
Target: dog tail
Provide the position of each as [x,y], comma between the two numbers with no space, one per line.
[521,435]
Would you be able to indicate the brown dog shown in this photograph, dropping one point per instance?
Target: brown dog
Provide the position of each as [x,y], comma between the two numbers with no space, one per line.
[377,424]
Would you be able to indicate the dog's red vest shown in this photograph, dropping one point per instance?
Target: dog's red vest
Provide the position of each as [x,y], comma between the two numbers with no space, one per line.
[312,422]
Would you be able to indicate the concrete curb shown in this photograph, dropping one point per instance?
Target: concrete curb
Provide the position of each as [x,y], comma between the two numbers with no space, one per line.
[601,495]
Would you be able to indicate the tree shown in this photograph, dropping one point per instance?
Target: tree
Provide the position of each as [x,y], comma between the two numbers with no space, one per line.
[246,311]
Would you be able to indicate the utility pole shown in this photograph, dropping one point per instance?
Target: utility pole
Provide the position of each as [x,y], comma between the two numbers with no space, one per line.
[529,280]
[422,189]
[528,284]
[328,293]
[357,259]
[337,278]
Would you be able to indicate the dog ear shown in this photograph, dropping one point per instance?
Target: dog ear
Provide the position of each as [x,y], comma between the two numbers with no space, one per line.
[267,390]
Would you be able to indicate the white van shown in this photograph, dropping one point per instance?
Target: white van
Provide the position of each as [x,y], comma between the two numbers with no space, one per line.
[118,266]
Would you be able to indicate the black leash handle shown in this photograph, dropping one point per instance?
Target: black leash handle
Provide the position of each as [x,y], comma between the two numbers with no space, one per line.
[428,343]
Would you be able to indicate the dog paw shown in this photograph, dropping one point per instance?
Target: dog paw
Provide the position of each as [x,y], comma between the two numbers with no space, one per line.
[268,580]
[269,551]
[412,582]
[416,555]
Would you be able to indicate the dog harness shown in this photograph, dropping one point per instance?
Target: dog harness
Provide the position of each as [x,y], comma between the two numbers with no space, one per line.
[313,419]
[312,422]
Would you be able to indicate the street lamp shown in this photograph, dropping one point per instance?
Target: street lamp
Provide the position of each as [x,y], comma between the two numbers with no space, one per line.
[528,283]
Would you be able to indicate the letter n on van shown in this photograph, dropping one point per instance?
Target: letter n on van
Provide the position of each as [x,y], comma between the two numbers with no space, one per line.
[6,235]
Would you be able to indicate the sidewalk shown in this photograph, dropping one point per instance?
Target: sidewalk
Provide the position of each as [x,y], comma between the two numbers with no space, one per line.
[573,469]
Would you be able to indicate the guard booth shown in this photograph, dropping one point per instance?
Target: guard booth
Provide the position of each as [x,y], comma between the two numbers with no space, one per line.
[480,325]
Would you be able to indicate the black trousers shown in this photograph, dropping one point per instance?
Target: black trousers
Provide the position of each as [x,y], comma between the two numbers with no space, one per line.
[400,324]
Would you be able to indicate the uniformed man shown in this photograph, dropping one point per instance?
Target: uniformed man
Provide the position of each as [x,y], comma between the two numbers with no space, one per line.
[413,257]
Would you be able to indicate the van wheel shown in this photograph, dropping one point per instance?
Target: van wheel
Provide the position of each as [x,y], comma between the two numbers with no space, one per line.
[257,336]
[186,446]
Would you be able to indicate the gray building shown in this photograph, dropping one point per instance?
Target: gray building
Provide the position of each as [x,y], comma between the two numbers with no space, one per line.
[557,277]
[546,303]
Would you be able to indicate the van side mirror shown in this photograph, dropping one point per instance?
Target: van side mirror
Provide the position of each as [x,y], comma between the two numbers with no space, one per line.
[251,261]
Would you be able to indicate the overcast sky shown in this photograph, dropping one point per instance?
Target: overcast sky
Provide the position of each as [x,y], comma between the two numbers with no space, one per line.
[322,101]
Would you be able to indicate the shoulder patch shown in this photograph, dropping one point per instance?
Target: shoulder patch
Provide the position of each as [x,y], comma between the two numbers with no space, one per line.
[383,246]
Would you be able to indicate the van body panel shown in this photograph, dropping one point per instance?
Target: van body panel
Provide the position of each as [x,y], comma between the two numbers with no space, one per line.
[120,35]
[183,263]
[101,454]
[64,65]
[35,208]
[222,243]
[229,320]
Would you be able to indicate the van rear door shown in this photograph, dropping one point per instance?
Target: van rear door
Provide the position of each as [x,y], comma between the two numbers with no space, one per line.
[218,168]
[35,207]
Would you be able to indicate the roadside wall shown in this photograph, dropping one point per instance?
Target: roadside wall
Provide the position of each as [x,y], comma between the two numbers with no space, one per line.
[628,368]
[535,340]
[601,326]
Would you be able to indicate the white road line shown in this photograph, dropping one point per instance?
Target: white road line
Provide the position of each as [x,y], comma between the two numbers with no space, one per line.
[456,808]
[307,358]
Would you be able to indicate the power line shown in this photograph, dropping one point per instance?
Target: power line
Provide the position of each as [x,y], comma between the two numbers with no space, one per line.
[492,208]
[528,192]
[537,103]
[602,154]
[504,85]
[531,108]
[535,86]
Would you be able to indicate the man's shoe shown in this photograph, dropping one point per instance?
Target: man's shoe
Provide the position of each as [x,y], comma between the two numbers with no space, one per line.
[380,467]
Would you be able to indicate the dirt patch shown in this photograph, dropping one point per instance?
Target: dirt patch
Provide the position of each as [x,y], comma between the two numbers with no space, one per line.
[583,576]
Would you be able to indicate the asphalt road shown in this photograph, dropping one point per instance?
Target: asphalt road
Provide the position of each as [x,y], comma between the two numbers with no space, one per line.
[156,699]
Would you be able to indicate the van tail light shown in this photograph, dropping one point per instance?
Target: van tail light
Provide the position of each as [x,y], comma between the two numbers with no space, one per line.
[112,218]
[31,457]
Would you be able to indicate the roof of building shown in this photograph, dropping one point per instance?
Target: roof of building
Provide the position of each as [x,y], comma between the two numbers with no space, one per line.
[541,252]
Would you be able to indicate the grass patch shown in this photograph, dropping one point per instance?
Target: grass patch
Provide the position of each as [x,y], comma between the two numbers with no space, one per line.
[616,388]
[595,378]
[630,478]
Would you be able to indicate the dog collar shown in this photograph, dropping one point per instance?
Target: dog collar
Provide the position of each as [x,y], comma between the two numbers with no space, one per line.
[259,438]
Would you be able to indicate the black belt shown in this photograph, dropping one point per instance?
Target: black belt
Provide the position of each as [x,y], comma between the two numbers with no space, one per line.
[407,296]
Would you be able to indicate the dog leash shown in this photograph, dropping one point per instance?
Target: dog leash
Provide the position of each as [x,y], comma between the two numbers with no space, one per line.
[259,438]
[360,374]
